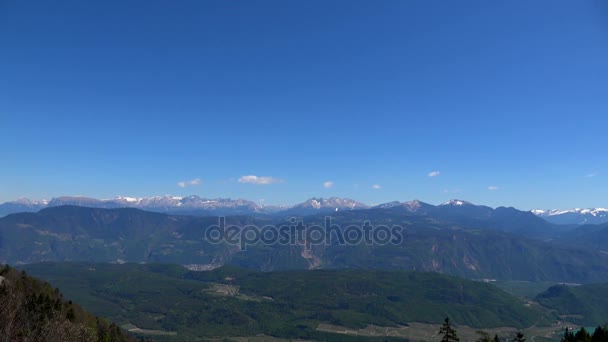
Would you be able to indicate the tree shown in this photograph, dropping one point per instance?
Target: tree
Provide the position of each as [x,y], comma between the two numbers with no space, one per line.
[568,336]
[519,337]
[447,333]
[582,336]
[600,334]
[496,338]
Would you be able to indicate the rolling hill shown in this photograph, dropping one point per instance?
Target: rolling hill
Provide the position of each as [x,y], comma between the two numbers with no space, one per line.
[586,304]
[232,301]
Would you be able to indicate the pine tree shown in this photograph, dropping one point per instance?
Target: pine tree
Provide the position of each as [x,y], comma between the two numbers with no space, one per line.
[519,337]
[582,336]
[600,334]
[568,336]
[496,338]
[448,334]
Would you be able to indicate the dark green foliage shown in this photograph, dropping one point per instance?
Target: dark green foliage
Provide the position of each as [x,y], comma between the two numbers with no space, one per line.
[600,334]
[447,332]
[582,335]
[568,336]
[288,304]
[519,337]
[586,304]
[32,310]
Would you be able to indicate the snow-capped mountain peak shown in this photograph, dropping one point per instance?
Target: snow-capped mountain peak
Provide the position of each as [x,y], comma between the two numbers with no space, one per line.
[388,205]
[574,216]
[27,201]
[554,212]
[412,206]
[457,203]
[319,204]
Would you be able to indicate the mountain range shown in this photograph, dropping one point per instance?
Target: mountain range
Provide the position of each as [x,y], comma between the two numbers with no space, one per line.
[190,205]
[574,216]
[456,238]
[198,206]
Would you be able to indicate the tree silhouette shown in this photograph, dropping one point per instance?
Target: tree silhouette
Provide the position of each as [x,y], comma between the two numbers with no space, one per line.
[600,334]
[448,334]
[519,337]
[582,335]
[568,336]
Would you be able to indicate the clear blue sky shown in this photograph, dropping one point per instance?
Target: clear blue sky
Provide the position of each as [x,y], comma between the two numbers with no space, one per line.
[107,98]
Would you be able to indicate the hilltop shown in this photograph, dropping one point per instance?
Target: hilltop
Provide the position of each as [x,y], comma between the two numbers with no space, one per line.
[32,310]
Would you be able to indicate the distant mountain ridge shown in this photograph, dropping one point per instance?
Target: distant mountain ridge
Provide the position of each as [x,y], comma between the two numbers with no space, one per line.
[191,205]
[199,206]
[574,216]
[466,241]
[22,205]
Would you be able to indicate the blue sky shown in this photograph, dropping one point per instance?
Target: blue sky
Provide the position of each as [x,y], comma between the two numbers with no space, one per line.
[506,100]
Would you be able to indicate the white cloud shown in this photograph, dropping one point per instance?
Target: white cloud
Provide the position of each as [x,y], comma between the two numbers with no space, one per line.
[376,186]
[251,179]
[192,182]
[592,174]
[493,188]
[328,185]
[434,173]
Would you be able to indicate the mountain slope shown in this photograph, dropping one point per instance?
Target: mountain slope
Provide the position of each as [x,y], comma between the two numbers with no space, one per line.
[593,237]
[467,214]
[115,235]
[33,311]
[585,304]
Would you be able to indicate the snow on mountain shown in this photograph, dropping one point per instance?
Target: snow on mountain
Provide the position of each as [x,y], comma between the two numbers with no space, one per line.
[316,205]
[22,205]
[167,203]
[225,206]
[589,211]
[27,201]
[539,212]
[574,216]
[389,205]
[412,206]
[331,203]
[457,203]
[125,199]
[79,201]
